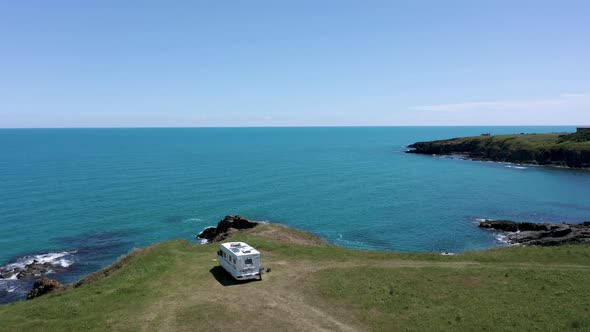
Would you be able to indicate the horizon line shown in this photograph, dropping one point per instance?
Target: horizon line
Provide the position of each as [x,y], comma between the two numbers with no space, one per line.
[306,126]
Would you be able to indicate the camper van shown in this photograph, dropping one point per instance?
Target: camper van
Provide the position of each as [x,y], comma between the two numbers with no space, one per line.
[240,260]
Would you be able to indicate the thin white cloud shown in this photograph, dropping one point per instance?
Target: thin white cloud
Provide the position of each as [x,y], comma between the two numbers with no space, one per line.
[564,102]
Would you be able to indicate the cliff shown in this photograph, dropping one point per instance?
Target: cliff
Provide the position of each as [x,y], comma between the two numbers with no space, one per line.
[178,286]
[565,150]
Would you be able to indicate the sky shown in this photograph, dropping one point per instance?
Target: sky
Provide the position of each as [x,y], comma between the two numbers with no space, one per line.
[293,63]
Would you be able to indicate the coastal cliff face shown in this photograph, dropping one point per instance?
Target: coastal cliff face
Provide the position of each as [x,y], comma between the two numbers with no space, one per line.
[566,150]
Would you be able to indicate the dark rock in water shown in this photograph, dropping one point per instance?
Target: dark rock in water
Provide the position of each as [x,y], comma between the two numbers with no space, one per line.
[208,233]
[29,271]
[214,234]
[535,234]
[34,269]
[529,226]
[43,286]
[560,231]
[501,225]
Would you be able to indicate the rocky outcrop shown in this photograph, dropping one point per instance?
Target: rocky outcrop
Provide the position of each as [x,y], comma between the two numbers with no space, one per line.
[34,269]
[219,233]
[44,286]
[512,148]
[536,234]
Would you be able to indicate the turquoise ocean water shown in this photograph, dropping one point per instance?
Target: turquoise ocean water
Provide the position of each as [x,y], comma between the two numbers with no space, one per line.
[80,198]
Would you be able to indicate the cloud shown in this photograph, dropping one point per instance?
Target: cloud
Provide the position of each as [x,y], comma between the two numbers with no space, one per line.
[564,102]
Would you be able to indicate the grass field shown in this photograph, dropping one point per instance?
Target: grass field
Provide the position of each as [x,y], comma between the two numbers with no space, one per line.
[177,286]
[544,141]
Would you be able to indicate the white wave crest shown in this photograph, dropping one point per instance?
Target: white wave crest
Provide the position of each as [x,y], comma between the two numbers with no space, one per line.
[502,238]
[516,167]
[8,286]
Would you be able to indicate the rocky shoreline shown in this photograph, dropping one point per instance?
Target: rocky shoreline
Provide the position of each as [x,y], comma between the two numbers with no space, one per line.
[28,271]
[34,270]
[540,234]
[522,233]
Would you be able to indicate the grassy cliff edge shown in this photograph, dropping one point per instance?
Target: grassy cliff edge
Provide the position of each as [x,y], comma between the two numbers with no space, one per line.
[176,285]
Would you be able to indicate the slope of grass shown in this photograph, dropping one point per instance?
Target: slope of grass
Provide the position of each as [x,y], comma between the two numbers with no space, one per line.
[177,286]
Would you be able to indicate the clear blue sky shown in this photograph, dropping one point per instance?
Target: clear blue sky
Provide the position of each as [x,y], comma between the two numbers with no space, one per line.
[290,63]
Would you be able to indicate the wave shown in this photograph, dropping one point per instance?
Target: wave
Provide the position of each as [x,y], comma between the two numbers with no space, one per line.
[192,220]
[350,243]
[516,167]
[502,238]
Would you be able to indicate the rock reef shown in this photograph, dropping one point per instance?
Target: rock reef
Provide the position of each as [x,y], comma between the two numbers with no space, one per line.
[222,231]
[538,234]
[28,271]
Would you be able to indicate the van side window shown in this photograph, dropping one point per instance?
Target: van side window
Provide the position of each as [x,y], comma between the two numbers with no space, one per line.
[249,261]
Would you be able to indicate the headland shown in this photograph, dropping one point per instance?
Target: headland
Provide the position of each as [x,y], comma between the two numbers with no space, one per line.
[553,149]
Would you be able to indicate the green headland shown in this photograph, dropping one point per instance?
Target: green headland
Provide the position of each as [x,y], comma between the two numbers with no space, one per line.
[178,286]
[554,149]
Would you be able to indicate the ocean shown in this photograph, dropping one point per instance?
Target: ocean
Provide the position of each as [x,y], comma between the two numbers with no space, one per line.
[80,198]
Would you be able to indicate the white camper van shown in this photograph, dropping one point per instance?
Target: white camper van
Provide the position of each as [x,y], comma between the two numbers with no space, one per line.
[240,260]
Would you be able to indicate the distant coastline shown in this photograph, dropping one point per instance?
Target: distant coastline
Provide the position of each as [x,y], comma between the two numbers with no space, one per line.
[571,150]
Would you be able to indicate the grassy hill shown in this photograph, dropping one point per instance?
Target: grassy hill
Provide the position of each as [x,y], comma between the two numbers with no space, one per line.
[571,150]
[177,286]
